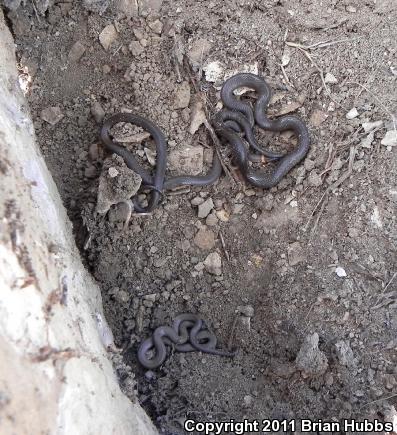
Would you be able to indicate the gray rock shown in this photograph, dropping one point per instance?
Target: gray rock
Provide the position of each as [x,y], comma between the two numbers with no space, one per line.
[76,52]
[296,254]
[213,264]
[205,208]
[52,115]
[156,26]
[136,48]
[314,179]
[149,6]
[97,112]
[345,354]
[129,8]
[108,36]
[98,6]
[198,52]
[205,239]
[187,160]
[211,220]
[182,95]
[390,138]
[310,359]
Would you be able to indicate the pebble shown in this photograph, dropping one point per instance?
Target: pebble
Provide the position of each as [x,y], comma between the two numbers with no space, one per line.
[213,264]
[187,160]
[222,215]
[198,52]
[205,208]
[147,6]
[296,254]
[52,115]
[205,239]
[211,220]
[108,36]
[93,152]
[310,359]
[246,310]
[248,401]
[390,139]
[314,179]
[351,9]
[136,48]
[330,78]
[156,26]
[340,272]
[98,6]
[351,114]
[113,172]
[76,52]
[182,95]
[97,112]
[345,354]
[90,172]
[369,126]
[197,200]
[318,117]
[127,7]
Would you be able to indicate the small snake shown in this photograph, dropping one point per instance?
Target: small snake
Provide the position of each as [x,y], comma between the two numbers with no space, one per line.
[185,335]
[228,123]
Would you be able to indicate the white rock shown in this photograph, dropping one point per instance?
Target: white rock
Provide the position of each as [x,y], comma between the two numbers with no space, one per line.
[376,218]
[52,115]
[330,78]
[367,141]
[108,36]
[369,126]
[351,114]
[213,264]
[390,139]
[213,72]
[205,208]
[340,272]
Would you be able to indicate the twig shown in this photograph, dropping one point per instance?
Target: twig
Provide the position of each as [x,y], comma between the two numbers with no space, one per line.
[320,44]
[384,290]
[224,246]
[232,332]
[217,144]
[378,400]
[35,11]
[286,77]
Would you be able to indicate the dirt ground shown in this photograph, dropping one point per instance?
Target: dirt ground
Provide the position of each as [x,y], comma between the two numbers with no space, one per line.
[307,286]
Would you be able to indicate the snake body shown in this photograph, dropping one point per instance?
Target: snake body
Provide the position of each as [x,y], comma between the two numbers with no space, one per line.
[185,335]
[237,116]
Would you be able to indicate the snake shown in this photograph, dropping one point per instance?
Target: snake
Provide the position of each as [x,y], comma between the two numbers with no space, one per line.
[237,118]
[185,335]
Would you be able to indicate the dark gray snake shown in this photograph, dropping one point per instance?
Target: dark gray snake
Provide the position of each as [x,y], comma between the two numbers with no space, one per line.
[187,334]
[238,116]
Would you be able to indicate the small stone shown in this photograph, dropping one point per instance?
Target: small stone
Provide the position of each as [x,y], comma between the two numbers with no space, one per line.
[222,215]
[248,401]
[108,36]
[330,78]
[351,9]
[149,6]
[318,117]
[211,220]
[351,114]
[198,52]
[341,272]
[156,26]
[113,172]
[106,69]
[205,208]
[345,354]
[246,310]
[98,6]
[187,160]
[205,239]
[310,359]
[197,200]
[52,115]
[97,112]
[369,126]
[182,96]
[76,52]
[93,152]
[136,48]
[296,254]
[367,141]
[90,172]
[213,264]
[129,8]
[315,179]
[390,139]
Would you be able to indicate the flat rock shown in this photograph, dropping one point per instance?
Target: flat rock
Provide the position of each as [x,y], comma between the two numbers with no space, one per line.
[198,52]
[310,359]
[205,208]
[390,139]
[52,115]
[345,354]
[76,52]
[213,264]
[117,183]
[182,95]
[318,117]
[369,126]
[205,239]
[136,48]
[296,254]
[108,36]
[98,6]
[129,8]
[187,160]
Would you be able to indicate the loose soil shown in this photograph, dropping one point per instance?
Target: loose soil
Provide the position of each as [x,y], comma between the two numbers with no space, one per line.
[307,289]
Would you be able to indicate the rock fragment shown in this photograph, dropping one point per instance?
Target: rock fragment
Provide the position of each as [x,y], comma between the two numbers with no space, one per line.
[182,95]
[136,48]
[97,112]
[352,113]
[205,208]
[213,264]
[198,52]
[187,160]
[311,360]
[296,254]
[129,8]
[108,36]
[156,26]
[330,78]
[76,52]
[390,139]
[205,239]
[52,115]
[345,354]
[98,6]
